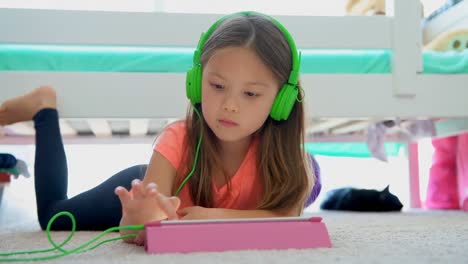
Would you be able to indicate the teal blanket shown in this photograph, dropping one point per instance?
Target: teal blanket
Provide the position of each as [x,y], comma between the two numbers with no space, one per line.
[179,59]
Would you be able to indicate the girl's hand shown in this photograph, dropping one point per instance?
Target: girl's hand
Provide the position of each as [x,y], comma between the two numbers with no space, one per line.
[143,205]
[146,204]
[198,212]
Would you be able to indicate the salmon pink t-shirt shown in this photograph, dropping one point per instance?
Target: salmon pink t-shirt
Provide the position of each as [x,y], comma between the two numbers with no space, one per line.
[246,188]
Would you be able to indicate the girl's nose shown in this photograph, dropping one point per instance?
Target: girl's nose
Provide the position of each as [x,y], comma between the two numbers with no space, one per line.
[230,104]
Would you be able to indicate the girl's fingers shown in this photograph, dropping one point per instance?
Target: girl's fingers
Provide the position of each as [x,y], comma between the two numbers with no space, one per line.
[141,238]
[184,212]
[151,189]
[137,189]
[175,201]
[167,206]
[123,194]
[152,185]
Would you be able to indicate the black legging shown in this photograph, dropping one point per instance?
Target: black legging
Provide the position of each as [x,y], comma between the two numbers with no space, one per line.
[96,209]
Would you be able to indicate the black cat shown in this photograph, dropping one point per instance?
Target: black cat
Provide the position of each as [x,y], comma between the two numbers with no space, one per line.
[351,199]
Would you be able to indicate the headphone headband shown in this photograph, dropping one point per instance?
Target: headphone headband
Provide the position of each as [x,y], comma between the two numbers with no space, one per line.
[295,57]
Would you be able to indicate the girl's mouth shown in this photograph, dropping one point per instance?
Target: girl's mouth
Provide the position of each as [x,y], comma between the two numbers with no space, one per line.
[227,123]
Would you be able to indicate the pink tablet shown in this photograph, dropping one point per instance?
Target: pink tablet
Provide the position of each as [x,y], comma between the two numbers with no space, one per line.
[235,234]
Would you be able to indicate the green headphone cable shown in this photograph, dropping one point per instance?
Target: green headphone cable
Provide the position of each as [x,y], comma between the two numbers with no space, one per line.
[80,249]
[196,152]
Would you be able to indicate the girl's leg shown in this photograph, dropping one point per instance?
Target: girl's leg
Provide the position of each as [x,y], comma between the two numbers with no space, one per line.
[96,209]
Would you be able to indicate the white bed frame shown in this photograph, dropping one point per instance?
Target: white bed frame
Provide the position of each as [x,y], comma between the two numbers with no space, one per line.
[405,93]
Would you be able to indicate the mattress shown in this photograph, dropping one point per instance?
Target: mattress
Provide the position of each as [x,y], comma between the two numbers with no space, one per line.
[20,57]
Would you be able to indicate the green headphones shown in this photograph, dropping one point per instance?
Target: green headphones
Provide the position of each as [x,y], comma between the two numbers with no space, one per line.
[286,96]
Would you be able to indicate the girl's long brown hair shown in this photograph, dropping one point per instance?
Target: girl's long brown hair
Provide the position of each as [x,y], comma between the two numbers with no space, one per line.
[281,160]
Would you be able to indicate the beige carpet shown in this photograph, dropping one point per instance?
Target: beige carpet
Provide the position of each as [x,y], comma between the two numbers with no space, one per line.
[408,237]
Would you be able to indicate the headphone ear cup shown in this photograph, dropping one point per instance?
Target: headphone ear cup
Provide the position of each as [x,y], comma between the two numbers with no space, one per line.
[193,84]
[284,102]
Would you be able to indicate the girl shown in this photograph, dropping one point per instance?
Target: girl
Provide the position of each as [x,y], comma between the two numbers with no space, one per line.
[237,153]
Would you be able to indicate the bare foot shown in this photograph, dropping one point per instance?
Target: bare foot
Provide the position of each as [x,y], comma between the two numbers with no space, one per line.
[23,108]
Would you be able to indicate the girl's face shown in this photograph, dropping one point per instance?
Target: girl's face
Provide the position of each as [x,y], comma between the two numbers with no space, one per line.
[238,91]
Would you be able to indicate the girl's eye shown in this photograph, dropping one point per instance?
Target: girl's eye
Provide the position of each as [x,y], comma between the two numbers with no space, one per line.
[217,86]
[251,94]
